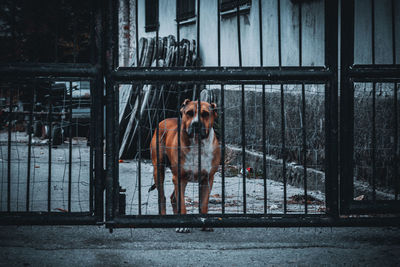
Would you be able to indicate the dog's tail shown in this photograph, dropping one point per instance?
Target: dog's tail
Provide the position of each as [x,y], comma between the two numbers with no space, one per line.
[152,187]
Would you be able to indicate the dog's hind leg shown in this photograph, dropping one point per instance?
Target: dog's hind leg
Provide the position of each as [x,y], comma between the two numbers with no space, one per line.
[160,187]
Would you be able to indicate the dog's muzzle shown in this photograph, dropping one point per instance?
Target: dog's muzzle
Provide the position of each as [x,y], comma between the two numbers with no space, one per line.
[197,127]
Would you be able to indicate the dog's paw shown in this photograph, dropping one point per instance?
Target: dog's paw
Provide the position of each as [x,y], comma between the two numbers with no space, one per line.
[182,230]
[207,229]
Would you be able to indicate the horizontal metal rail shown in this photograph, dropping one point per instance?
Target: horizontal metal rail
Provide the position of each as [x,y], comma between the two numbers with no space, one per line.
[172,221]
[9,71]
[221,74]
[48,218]
[366,72]
[371,207]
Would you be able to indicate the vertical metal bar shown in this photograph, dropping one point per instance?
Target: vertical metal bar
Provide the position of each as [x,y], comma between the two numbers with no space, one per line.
[264,166]
[304,130]
[283,148]
[243,130]
[97,93]
[92,129]
[199,147]
[50,143]
[139,150]
[199,106]
[179,200]
[158,95]
[395,125]
[331,108]
[222,111]
[346,105]
[396,146]
[70,148]
[283,131]
[303,96]
[223,146]
[28,173]
[115,61]
[111,178]
[158,153]
[9,153]
[373,148]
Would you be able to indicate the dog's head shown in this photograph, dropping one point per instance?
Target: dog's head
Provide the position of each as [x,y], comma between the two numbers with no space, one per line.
[194,122]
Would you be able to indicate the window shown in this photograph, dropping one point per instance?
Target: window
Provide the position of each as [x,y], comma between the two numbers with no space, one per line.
[151,15]
[186,9]
[231,4]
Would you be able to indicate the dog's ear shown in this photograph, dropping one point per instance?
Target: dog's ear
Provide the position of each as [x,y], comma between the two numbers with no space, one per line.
[214,108]
[184,104]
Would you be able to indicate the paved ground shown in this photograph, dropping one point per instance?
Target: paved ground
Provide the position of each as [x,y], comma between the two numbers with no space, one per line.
[94,246]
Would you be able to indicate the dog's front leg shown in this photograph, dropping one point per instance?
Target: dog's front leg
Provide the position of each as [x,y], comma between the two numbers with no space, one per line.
[205,189]
[174,201]
[175,195]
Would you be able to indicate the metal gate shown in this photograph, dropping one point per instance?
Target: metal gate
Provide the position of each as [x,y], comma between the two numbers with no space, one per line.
[339,194]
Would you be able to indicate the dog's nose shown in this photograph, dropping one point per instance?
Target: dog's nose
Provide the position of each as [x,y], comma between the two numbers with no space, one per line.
[197,127]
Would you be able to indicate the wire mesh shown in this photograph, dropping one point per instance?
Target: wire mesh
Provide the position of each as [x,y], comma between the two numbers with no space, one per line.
[30,145]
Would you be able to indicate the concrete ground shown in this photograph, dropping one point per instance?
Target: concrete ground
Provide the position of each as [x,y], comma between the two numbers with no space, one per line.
[95,246]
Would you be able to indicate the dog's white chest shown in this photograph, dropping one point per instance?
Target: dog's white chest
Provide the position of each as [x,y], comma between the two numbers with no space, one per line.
[192,157]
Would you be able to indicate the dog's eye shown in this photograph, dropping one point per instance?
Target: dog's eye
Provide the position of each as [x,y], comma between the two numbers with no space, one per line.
[190,113]
[204,114]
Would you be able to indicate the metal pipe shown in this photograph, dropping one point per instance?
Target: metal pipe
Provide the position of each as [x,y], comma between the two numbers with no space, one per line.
[243,125]
[31,70]
[331,109]
[199,174]
[139,114]
[70,149]
[179,193]
[97,93]
[304,133]
[373,148]
[283,148]
[9,154]
[264,166]
[50,120]
[395,145]
[222,75]
[30,125]
[52,218]
[222,111]
[346,104]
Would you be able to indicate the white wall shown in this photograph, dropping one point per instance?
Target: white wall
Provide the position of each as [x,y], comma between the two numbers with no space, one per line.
[313,25]
[313,32]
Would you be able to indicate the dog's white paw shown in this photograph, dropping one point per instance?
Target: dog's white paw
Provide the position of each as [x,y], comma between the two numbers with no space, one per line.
[182,230]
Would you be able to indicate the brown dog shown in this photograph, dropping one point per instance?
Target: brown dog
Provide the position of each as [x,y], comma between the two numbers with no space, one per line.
[192,125]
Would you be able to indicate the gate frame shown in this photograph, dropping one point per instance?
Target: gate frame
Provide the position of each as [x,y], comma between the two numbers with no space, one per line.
[94,72]
[351,73]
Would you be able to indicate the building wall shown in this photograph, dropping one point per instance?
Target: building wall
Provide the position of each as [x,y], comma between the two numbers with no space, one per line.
[313,24]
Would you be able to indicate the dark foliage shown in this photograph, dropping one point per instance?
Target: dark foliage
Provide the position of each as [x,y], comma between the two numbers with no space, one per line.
[44,31]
